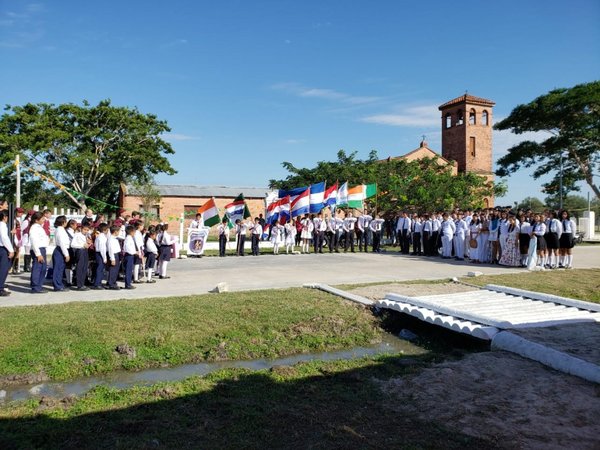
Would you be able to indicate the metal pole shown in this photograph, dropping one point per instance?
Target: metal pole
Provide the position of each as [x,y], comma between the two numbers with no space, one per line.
[561,180]
[18,193]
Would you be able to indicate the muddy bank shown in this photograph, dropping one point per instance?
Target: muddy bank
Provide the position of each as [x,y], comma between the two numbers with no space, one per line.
[497,395]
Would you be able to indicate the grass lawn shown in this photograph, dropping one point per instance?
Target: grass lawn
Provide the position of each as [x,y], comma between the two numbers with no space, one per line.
[65,341]
[581,284]
[310,405]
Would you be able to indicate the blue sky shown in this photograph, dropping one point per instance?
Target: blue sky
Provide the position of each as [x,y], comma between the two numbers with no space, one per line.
[245,85]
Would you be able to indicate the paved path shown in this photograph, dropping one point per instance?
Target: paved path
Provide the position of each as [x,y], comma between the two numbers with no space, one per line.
[200,275]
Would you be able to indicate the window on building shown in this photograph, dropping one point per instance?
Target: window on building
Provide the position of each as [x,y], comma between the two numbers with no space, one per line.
[448,120]
[485,118]
[472,146]
[460,118]
[153,212]
[472,117]
[190,211]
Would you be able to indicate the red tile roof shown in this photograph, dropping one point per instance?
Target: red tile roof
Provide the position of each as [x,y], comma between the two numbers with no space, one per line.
[468,98]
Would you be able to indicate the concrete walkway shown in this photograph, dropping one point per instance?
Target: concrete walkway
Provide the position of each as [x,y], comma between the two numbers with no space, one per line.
[200,275]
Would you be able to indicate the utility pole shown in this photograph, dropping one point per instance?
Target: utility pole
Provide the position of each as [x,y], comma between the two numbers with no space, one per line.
[18,193]
[561,180]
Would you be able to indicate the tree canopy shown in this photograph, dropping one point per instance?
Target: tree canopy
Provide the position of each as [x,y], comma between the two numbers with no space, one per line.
[420,185]
[571,116]
[84,151]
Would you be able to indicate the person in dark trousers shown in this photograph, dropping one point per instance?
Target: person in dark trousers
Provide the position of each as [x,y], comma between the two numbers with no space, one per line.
[60,256]
[80,244]
[100,244]
[7,252]
[39,241]
[223,231]
[129,252]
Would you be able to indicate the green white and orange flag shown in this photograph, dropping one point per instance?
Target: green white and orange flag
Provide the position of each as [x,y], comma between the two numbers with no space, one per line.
[357,194]
[210,213]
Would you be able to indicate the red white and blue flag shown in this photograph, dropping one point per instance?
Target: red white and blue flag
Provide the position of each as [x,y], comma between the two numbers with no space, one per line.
[317,192]
[237,209]
[301,204]
[330,196]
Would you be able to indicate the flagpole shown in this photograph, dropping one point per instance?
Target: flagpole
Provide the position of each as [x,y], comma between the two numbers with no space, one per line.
[376,199]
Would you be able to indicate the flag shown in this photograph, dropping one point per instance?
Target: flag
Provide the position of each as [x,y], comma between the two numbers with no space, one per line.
[273,211]
[265,233]
[356,196]
[210,213]
[301,204]
[284,211]
[237,209]
[317,192]
[342,195]
[330,196]
[370,190]
[293,193]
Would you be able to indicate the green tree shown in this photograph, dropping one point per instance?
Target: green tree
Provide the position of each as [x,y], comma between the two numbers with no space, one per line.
[421,185]
[570,202]
[87,151]
[150,197]
[571,116]
[533,203]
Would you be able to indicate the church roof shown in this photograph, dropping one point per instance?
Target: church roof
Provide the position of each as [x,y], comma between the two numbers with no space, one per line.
[423,148]
[468,98]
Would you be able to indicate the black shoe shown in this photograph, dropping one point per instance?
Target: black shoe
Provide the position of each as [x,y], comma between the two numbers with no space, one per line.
[97,288]
[114,288]
[138,281]
[129,287]
[43,291]
[4,293]
[151,281]
[82,288]
[62,290]
[167,277]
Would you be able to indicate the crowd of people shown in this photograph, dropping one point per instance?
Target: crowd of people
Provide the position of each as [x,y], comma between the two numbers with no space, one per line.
[494,235]
[94,253]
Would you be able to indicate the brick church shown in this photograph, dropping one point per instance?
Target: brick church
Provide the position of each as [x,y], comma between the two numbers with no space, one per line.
[466,138]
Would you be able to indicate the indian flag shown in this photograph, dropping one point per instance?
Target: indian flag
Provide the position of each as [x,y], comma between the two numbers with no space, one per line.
[357,194]
[210,213]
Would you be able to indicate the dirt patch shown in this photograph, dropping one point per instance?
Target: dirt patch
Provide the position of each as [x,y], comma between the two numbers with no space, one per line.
[28,378]
[377,292]
[500,396]
[577,339]
[126,350]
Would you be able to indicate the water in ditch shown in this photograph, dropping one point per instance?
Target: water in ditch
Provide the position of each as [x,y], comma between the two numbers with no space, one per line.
[390,344]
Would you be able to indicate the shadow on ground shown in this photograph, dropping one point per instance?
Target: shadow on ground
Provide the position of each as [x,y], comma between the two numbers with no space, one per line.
[282,408]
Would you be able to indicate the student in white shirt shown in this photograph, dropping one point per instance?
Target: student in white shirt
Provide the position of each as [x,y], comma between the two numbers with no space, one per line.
[241,229]
[567,240]
[290,236]
[138,239]
[151,251]
[7,252]
[129,252]
[348,227]
[80,245]
[223,232]
[307,233]
[101,246]
[60,256]
[114,255]
[376,225]
[165,246]
[38,241]
[459,237]
[448,229]
[277,236]
[256,233]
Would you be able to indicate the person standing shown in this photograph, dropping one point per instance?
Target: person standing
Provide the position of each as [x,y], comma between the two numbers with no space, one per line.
[459,237]
[240,236]
[60,255]
[277,236]
[101,247]
[567,240]
[7,252]
[416,228]
[130,250]
[290,236]
[256,232]
[448,228]
[151,252]
[39,242]
[223,232]
[79,245]
[376,226]
[114,256]
[165,248]
[197,223]
[307,233]
[348,227]
[366,221]
[403,229]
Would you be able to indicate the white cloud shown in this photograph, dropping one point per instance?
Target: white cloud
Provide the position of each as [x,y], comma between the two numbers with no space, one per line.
[325,94]
[174,43]
[408,116]
[505,139]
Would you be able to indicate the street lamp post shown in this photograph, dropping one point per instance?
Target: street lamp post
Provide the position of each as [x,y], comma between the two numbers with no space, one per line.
[561,180]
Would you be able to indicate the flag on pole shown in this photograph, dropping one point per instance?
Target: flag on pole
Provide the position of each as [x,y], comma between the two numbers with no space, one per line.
[237,209]
[356,196]
[330,196]
[370,190]
[301,204]
[342,195]
[284,211]
[210,213]
[317,192]
[293,193]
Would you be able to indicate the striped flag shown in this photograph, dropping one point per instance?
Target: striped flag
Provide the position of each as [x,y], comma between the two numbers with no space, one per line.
[342,195]
[317,192]
[237,209]
[210,213]
[301,204]
[330,197]
[285,209]
[356,196]
[293,193]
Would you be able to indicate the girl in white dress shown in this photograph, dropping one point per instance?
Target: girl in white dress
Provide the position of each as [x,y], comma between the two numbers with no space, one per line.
[290,236]
[307,232]
[474,230]
[276,236]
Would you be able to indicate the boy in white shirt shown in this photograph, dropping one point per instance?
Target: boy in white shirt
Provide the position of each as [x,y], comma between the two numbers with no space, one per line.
[114,254]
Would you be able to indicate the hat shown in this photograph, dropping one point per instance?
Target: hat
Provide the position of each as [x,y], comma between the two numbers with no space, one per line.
[20,210]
